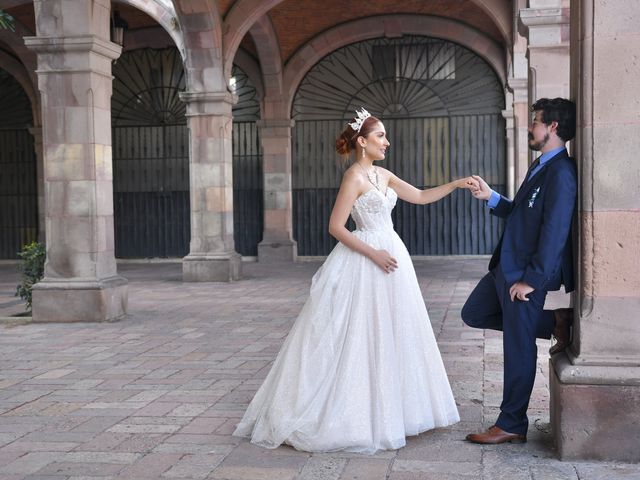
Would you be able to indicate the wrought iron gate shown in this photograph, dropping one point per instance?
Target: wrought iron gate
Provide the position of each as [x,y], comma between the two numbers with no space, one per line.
[151,158]
[18,187]
[248,191]
[247,188]
[441,107]
[150,155]
[151,191]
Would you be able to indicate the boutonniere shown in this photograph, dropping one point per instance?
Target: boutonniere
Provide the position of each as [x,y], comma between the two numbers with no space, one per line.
[534,194]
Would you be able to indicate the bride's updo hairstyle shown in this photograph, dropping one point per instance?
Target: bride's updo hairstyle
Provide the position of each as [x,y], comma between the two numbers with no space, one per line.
[346,142]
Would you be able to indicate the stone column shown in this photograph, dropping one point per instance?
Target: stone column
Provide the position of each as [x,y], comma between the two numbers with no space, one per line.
[595,385]
[520,123]
[547,22]
[518,85]
[74,77]
[277,241]
[212,256]
[36,132]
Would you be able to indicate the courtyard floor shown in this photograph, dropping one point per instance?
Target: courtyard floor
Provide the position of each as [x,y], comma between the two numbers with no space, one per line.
[157,394]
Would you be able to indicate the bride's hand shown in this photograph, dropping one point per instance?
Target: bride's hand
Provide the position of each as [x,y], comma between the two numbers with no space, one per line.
[384,260]
[468,183]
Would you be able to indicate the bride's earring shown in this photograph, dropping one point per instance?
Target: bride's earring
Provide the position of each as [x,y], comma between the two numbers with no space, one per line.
[363,154]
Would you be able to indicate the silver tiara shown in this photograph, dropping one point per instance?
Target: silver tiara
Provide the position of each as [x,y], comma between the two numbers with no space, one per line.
[362,115]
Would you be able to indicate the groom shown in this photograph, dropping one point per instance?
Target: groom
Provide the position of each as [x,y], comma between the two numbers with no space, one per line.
[532,257]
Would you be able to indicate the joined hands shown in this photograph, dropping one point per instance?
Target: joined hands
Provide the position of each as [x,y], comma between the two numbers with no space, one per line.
[480,189]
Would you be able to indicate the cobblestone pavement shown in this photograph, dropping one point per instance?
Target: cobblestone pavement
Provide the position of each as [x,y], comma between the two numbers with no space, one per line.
[157,394]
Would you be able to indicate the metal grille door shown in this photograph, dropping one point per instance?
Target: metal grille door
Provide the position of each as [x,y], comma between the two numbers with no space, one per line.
[248,191]
[151,191]
[150,155]
[18,185]
[441,105]
[18,195]
[247,188]
[151,158]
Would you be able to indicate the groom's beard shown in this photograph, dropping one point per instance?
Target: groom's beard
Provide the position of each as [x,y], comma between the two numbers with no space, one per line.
[536,147]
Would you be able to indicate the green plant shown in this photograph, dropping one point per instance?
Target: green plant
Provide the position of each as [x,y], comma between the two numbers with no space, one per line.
[6,21]
[32,269]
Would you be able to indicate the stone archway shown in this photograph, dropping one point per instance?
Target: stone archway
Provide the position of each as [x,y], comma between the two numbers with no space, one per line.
[441,105]
[245,13]
[23,67]
[390,26]
[201,29]
[164,14]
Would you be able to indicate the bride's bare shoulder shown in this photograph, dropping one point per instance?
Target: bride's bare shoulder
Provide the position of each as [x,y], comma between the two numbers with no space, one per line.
[386,174]
[352,175]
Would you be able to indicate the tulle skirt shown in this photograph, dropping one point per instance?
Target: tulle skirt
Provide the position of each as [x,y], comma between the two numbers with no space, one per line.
[360,369]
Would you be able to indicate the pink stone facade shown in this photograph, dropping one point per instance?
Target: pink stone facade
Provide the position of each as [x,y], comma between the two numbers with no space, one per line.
[585,50]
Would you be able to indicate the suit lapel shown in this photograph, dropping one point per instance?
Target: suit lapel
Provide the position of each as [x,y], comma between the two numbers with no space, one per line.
[528,184]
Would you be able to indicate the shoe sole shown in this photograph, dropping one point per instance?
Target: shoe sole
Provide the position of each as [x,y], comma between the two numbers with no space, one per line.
[513,440]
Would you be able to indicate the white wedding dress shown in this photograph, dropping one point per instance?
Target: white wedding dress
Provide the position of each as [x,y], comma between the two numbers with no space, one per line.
[360,369]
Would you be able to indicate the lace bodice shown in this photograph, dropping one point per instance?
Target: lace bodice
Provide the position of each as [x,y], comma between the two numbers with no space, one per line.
[372,210]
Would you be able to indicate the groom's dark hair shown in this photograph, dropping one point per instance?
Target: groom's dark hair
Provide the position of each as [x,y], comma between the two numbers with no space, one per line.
[558,110]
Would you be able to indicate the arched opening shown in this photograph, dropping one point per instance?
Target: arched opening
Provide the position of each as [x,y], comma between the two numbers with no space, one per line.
[441,104]
[151,158]
[150,155]
[18,177]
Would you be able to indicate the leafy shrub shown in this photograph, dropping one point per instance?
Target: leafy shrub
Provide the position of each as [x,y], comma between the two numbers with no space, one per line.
[32,269]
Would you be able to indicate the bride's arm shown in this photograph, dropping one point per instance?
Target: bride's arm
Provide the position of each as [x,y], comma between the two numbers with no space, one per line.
[350,189]
[411,194]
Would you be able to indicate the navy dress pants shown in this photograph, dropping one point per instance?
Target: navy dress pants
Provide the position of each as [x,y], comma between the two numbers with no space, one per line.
[490,306]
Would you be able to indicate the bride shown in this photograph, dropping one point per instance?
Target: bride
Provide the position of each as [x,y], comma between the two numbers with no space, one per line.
[360,369]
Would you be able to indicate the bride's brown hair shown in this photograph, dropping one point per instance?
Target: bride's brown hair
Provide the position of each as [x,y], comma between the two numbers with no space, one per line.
[346,142]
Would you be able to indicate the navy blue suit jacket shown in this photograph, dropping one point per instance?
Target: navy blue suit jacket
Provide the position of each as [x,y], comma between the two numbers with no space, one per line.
[536,245]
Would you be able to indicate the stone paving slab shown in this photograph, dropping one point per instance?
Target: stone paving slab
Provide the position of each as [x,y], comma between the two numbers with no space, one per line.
[157,394]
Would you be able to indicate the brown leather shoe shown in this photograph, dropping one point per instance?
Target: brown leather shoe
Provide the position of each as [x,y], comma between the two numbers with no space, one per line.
[562,329]
[496,435]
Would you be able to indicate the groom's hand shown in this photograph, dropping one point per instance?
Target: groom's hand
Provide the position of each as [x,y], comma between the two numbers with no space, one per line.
[481,190]
[519,291]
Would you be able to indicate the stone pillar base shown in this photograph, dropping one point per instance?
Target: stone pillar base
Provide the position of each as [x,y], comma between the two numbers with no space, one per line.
[102,300]
[212,268]
[277,251]
[594,411]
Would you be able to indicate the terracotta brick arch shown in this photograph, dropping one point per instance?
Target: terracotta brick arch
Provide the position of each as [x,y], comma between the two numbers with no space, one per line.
[391,25]
[245,13]
[266,41]
[242,16]
[195,28]
[201,28]
[502,14]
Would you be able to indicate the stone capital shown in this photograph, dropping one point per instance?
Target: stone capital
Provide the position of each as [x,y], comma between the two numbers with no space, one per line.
[276,123]
[73,55]
[275,127]
[36,133]
[79,43]
[209,103]
[547,27]
[533,17]
[209,97]
[509,119]
[520,89]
